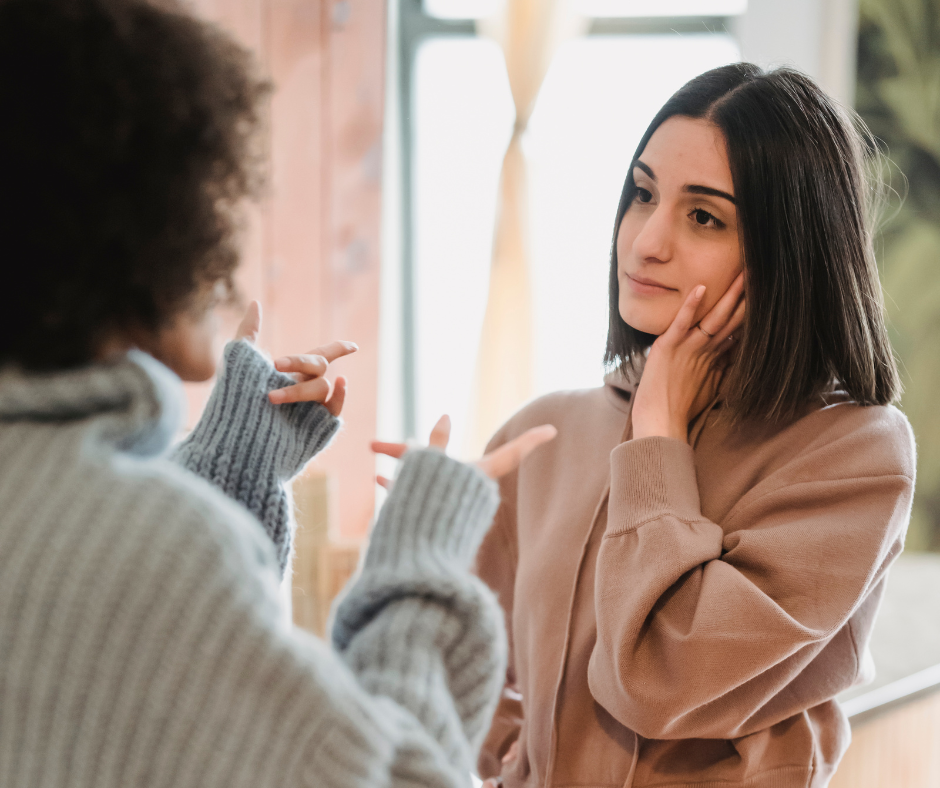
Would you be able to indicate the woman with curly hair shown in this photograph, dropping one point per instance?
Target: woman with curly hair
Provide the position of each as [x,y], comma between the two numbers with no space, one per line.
[142,637]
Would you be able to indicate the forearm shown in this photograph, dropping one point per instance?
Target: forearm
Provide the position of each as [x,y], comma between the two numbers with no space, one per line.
[416,626]
[699,636]
[248,447]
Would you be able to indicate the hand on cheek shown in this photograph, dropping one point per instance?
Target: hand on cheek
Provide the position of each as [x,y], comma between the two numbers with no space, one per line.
[684,367]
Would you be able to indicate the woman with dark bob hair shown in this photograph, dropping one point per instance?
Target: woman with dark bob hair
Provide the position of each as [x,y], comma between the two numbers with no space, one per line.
[143,641]
[691,570]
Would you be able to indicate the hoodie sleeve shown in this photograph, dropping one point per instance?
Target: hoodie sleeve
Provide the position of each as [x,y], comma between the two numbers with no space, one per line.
[708,630]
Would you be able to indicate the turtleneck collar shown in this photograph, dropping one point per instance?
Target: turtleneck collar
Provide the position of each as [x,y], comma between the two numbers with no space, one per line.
[138,400]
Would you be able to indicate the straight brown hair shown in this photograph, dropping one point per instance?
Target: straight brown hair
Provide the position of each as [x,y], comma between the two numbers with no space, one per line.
[815,310]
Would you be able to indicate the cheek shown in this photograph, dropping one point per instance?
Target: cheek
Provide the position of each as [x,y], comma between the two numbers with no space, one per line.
[625,237]
[189,347]
[718,272]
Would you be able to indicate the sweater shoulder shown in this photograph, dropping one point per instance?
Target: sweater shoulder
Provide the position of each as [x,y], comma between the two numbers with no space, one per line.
[170,496]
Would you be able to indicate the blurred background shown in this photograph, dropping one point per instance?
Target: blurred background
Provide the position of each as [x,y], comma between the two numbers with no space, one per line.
[444,177]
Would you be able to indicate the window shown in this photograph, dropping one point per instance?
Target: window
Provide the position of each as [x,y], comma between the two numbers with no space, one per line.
[457,115]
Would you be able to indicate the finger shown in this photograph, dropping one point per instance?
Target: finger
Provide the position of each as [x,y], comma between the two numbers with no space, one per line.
[334,350]
[309,366]
[316,390]
[250,326]
[335,403]
[396,450]
[440,434]
[721,312]
[507,457]
[685,318]
[734,323]
[384,481]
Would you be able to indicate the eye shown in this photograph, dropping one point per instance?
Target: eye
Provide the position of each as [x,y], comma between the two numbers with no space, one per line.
[643,195]
[704,218]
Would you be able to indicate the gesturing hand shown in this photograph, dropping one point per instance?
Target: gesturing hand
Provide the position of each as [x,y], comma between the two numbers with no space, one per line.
[495,464]
[307,369]
[685,364]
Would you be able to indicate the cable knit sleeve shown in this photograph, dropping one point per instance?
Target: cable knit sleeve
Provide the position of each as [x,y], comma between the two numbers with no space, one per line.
[248,447]
[416,626]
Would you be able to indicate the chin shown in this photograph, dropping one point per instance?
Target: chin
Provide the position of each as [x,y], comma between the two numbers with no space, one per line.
[645,323]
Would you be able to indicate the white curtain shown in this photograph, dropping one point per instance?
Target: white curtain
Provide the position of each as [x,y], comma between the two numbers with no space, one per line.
[529,32]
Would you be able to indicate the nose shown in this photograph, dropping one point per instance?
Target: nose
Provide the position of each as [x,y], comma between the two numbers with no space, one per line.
[654,242]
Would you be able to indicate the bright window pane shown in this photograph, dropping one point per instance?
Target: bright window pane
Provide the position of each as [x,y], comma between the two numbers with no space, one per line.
[461,9]
[596,101]
[476,9]
[463,121]
[628,8]
[590,115]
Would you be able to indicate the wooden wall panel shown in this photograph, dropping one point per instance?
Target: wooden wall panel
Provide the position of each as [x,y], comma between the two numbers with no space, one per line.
[312,246]
[356,85]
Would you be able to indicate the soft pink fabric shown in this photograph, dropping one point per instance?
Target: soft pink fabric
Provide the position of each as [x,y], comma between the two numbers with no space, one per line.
[682,615]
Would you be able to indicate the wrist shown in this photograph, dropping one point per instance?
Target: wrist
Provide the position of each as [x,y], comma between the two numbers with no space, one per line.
[658,425]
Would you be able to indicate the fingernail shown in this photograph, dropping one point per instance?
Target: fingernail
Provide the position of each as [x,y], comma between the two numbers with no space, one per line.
[700,291]
[281,362]
[276,396]
[352,346]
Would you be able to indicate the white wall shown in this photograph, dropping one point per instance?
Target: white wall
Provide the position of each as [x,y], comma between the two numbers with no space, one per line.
[818,37]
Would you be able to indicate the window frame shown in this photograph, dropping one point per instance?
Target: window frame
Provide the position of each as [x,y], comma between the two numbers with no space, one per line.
[414,28]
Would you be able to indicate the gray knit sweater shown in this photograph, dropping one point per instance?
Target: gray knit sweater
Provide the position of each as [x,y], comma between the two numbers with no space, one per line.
[142,637]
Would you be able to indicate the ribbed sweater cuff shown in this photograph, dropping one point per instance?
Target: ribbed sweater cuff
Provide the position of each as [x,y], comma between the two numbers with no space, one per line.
[649,478]
[243,436]
[248,447]
[437,513]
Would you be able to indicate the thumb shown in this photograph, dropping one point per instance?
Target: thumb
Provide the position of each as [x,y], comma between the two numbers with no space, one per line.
[250,326]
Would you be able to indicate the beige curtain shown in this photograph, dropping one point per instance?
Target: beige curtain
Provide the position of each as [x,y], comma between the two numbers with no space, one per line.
[528,31]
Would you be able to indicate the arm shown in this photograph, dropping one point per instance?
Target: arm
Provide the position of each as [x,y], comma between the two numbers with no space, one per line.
[248,447]
[415,626]
[706,630]
[495,565]
[222,691]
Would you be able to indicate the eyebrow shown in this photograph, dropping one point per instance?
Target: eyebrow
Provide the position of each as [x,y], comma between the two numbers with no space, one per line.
[690,188]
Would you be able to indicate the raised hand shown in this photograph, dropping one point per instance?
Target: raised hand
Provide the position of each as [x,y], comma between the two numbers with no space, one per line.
[495,464]
[686,363]
[308,369]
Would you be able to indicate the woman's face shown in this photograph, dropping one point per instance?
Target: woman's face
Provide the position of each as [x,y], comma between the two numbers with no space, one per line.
[681,229]
[190,345]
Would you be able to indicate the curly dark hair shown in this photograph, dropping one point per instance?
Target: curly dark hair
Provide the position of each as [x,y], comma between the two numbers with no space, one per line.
[129,136]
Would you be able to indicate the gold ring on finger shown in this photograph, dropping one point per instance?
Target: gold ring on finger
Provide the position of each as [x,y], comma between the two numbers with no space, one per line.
[699,327]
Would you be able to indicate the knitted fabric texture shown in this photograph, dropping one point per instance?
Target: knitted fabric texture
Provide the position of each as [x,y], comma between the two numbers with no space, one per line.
[142,637]
[248,447]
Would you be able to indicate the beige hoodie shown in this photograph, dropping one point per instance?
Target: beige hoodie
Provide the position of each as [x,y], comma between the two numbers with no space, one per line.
[684,615]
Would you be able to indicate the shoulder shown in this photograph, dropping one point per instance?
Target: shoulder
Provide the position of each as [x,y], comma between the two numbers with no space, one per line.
[841,447]
[873,440]
[159,494]
[576,411]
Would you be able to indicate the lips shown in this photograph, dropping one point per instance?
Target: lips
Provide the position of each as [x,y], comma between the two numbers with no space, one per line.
[643,285]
